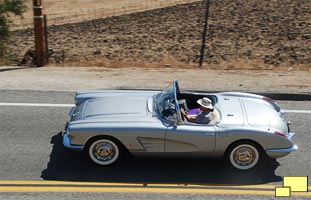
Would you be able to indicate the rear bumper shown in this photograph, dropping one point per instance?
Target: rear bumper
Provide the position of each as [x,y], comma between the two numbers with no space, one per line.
[277,153]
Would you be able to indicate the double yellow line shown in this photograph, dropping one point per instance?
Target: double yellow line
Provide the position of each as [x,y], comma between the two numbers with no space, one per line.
[65,186]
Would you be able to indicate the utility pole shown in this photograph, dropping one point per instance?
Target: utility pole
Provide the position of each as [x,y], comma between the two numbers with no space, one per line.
[204,33]
[38,30]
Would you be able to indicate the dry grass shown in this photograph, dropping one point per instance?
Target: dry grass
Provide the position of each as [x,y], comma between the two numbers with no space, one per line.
[167,61]
[72,11]
[85,9]
[170,62]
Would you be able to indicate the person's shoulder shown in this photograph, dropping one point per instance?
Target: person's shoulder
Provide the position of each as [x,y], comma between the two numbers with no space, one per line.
[207,112]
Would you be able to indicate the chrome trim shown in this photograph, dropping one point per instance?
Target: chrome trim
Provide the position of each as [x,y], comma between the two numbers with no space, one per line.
[66,143]
[277,153]
[211,134]
[71,111]
[282,112]
[288,150]
[150,105]
[290,135]
[288,122]
[104,151]
[179,121]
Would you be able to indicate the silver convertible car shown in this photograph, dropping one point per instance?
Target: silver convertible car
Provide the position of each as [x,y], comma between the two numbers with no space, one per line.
[108,124]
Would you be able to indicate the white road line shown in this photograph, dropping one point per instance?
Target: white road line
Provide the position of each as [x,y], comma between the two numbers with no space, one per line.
[72,105]
[37,104]
[298,111]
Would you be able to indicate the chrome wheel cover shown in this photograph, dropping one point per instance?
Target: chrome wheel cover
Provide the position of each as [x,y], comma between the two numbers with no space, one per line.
[244,157]
[104,152]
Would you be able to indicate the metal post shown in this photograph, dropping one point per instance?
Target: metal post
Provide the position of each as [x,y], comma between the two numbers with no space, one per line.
[1,51]
[204,33]
[38,30]
[46,40]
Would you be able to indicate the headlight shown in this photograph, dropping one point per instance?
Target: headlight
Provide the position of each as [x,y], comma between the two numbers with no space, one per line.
[71,111]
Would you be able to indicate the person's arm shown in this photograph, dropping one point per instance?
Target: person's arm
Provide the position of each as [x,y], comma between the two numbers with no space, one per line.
[188,118]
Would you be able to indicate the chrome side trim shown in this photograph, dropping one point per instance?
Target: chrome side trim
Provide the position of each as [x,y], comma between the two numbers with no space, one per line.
[210,134]
[66,143]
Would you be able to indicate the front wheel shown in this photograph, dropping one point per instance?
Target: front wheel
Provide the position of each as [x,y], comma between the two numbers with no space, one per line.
[244,156]
[103,151]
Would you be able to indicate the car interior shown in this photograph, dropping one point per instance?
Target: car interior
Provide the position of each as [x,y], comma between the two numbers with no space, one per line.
[188,101]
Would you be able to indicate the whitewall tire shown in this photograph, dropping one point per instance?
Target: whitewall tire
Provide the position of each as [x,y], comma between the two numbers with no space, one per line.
[104,151]
[244,156]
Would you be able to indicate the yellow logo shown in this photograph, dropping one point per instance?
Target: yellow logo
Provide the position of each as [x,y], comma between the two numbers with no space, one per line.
[292,184]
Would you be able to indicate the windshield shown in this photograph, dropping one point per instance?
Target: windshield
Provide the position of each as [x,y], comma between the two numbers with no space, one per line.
[165,104]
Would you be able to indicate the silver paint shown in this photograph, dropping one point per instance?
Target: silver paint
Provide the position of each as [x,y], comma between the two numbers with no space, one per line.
[133,118]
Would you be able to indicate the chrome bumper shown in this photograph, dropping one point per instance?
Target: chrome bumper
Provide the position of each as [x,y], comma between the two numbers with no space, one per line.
[277,153]
[66,143]
[290,135]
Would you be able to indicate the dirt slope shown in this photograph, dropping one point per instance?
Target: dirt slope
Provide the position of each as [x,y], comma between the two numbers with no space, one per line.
[241,34]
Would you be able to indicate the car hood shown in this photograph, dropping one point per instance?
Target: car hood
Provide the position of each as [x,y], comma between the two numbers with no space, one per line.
[115,107]
[84,96]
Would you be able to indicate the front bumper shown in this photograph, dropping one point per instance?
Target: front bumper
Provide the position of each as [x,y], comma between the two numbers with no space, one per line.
[277,153]
[67,144]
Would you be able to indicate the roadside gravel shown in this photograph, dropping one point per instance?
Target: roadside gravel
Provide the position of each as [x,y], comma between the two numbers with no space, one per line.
[99,78]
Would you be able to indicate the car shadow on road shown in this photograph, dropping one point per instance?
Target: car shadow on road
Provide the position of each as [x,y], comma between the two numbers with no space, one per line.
[67,165]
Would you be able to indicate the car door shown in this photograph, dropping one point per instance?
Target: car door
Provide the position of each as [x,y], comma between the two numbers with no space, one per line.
[190,138]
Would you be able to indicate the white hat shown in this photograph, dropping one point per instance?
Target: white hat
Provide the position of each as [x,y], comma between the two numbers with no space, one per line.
[206,103]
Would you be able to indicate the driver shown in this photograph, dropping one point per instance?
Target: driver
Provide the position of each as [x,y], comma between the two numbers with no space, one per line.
[206,114]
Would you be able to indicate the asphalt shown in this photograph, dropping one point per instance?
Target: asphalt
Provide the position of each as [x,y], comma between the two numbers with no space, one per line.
[280,85]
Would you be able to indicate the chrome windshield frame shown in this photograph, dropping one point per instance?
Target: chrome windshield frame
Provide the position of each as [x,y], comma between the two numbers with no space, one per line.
[174,87]
[175,90]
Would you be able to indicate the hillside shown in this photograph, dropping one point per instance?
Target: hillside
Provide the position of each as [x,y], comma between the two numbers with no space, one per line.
[72,11]
[241,34]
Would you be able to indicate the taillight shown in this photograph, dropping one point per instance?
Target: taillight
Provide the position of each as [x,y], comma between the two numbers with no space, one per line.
[280,134]
[274,104]
[268,99]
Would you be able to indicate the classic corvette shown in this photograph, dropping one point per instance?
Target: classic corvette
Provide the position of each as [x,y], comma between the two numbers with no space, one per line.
[245,128]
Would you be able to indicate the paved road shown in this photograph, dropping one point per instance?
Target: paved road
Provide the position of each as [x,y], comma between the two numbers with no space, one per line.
[30,149]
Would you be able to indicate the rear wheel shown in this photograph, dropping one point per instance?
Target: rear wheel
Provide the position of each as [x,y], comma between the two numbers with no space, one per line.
[104,151]
[244,155]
